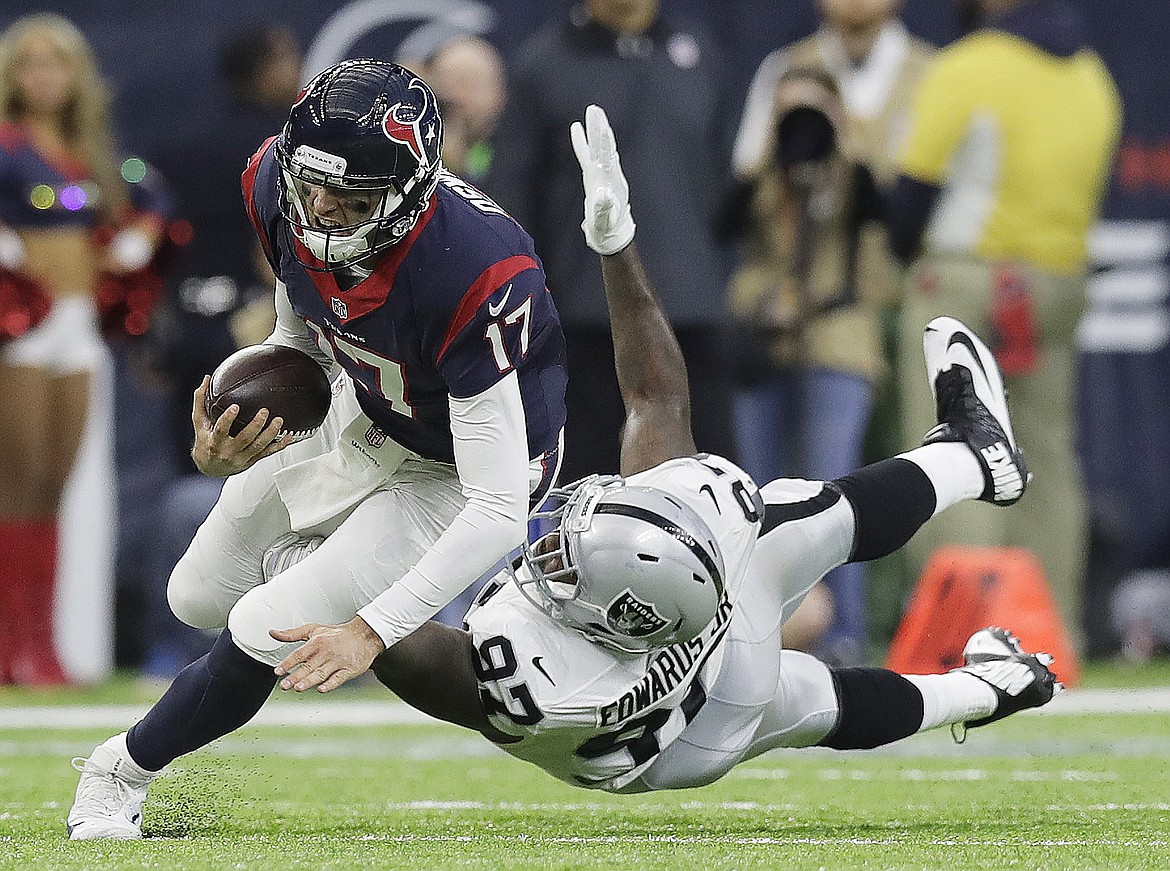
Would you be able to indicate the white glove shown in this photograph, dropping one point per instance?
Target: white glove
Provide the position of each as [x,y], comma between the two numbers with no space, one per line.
[11,250]
[608,224]
[131,249]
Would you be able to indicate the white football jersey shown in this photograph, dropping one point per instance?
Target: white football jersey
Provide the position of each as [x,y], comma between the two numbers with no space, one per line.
[585,713]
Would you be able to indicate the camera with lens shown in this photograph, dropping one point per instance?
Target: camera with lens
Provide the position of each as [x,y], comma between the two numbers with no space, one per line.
[804,134]
[806,140]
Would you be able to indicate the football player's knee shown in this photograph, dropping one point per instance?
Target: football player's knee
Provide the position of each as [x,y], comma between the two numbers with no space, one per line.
[249,621]
[193,601]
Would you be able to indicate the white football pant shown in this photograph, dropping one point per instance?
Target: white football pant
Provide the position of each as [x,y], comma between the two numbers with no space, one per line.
[379,505]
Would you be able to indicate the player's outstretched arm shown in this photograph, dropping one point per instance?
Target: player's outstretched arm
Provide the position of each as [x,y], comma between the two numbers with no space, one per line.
[651,372]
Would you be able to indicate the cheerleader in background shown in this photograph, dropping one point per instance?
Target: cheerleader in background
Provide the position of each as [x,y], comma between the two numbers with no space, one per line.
[74,216]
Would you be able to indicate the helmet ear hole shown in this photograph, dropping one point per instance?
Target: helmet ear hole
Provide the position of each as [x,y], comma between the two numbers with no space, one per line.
[647,557]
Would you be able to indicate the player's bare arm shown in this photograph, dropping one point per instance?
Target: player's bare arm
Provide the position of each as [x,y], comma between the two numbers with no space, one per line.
[219,454]
[651,372]
[433,670]
[652,375]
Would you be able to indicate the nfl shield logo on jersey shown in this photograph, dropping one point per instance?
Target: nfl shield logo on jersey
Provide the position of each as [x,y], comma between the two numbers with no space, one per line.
[340,308]
[375,438]
[631,616]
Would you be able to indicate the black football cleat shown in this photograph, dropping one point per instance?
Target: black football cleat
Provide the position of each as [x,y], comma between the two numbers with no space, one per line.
[1021,680]
[972,407]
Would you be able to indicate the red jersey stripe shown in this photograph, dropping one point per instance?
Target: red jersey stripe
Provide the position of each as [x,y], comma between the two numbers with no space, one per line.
[485,285]
[248,183]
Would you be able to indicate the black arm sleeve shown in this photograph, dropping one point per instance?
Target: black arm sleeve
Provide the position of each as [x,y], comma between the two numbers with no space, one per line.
[891,499]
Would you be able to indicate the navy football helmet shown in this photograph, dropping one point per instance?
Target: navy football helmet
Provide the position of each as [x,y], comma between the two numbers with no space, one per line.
[365,137]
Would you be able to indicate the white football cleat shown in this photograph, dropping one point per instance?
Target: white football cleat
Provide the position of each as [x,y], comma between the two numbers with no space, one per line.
[1020,679]
[109,795]
[972,407]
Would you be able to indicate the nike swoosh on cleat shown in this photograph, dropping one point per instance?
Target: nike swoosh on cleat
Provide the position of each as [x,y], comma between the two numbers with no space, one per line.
[494,310]
[965,340]
[536,662]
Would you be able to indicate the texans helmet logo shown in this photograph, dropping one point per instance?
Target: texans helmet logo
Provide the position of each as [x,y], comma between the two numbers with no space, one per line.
[403,124]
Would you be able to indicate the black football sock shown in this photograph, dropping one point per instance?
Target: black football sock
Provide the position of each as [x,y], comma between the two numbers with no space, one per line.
[876,707]
[211,697]
[891,499]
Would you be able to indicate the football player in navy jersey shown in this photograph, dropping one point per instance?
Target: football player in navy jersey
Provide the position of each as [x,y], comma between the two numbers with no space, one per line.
[427,305]
[636,643]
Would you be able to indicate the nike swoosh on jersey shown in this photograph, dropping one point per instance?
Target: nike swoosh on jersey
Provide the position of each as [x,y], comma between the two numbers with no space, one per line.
[706,488]
[494,310]
[536,662]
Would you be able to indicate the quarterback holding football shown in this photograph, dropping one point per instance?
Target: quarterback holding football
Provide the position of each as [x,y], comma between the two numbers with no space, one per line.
[426,304]
[635,644]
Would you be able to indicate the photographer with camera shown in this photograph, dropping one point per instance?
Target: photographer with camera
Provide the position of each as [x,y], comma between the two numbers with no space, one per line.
[810,348]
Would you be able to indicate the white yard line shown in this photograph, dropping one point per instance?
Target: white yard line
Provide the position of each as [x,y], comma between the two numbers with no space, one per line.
[340,712]
[530,841]
[309,713]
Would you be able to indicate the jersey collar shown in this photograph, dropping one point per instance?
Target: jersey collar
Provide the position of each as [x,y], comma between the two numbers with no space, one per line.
[373,290]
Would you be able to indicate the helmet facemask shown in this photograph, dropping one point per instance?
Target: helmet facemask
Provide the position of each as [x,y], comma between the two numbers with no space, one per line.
[394,209]
[620,572]
[548,558]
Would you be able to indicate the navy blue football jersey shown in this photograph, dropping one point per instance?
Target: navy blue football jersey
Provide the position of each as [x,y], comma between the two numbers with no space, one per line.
[451,309]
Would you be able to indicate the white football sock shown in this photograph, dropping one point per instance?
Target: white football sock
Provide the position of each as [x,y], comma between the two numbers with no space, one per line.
[955,697]
[952,469]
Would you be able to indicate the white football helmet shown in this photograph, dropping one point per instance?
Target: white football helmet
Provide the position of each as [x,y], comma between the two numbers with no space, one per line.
[629,566]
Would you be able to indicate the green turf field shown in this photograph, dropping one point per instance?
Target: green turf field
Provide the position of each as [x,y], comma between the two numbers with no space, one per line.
[1056,792]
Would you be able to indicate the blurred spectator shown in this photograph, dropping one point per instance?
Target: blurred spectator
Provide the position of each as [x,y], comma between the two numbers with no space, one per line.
[1009,149]
[809,348]
[75,219]
[877,65]
[261,68]
[467,75]
[259,71]
[661,86]
[223,301]
[1141,614]
[807,415]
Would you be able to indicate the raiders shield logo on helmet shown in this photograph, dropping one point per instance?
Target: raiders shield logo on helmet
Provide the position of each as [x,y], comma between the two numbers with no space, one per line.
[631,616]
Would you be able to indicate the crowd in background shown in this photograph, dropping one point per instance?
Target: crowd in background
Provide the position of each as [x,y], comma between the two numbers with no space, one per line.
[799,233]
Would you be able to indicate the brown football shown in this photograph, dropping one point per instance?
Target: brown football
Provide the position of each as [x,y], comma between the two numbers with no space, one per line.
[290,384]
